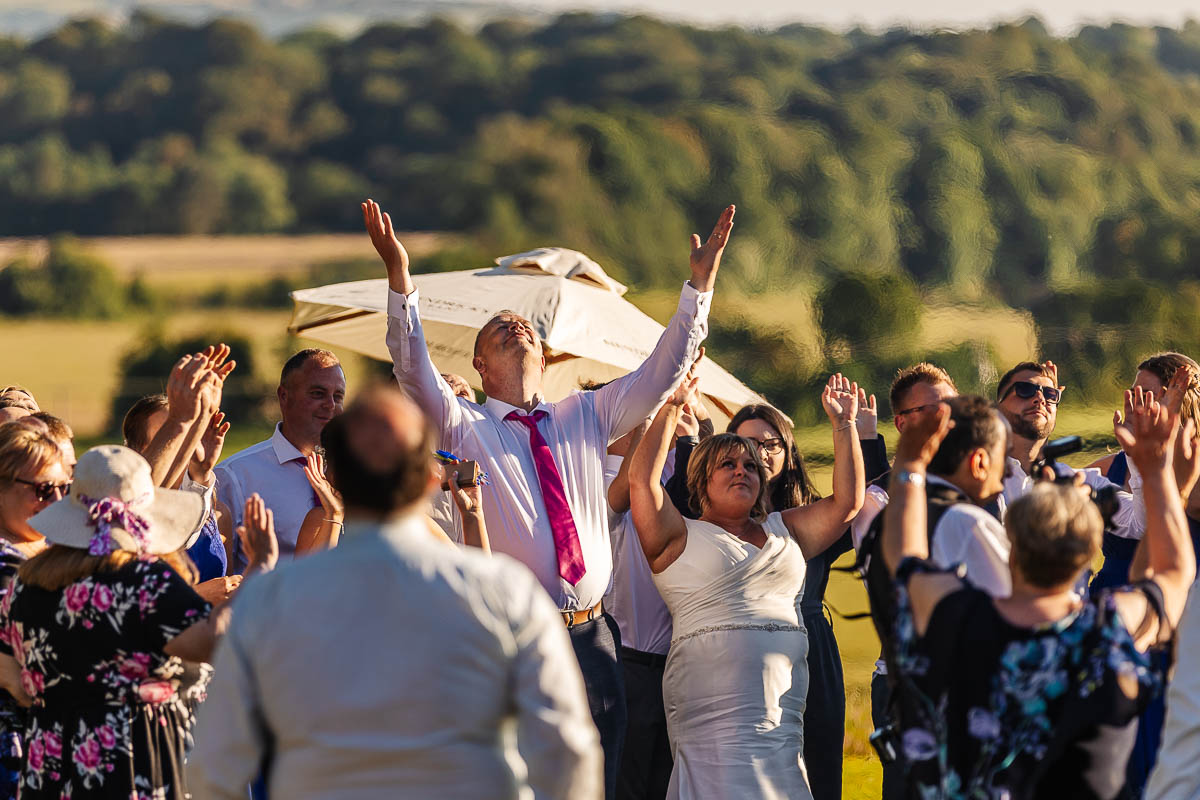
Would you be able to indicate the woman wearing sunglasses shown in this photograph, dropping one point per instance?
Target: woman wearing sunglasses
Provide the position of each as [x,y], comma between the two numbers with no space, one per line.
[32,476]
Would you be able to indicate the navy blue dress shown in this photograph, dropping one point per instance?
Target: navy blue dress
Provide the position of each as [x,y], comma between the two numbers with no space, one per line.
[208,552]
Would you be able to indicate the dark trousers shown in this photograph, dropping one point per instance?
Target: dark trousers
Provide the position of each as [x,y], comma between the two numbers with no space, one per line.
[597,646]
[893,774]
[646,759]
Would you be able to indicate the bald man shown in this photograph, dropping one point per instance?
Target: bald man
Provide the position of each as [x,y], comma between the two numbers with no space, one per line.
[391,663]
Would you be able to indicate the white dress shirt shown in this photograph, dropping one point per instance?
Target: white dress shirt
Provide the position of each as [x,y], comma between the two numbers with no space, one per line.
[1177,773]
[633,601]
[968,535]
[275,470]
[395,666]
[578,431]
[1129,521]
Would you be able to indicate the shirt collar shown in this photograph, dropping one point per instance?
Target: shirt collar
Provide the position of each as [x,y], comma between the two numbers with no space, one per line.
[285,451]
[502,409]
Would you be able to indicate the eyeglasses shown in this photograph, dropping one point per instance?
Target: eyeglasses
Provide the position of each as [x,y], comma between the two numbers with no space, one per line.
[1027,389]
[917,409]
[769,445]
[46,490]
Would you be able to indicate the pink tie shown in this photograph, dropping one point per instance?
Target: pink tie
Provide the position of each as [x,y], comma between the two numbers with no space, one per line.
[562,525]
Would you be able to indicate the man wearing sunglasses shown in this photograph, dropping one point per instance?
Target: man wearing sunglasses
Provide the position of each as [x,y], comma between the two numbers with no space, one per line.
[1028,396]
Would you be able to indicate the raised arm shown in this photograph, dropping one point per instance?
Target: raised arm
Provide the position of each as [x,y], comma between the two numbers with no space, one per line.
[1149,439]
[818,525]
[660,527]
[414,370]
[322,526]
[185,406]
[629,399]
[469,500]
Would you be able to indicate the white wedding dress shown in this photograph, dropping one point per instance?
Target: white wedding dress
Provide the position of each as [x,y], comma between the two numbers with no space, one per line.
[736,677]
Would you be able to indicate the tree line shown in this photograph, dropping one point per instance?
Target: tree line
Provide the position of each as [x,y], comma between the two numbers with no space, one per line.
[1057,175]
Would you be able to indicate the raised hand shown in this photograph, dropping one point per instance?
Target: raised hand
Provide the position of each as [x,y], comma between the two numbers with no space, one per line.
[922,436]
[1187,460]
[867,421]
[186,388]
[1052,368]
[216,354]
[1124,419]
[840,401]
[257,533]
[706,257]
[208,452]
[468,498]
[1176,389]
[383,237]
[331,499]
[1148,435]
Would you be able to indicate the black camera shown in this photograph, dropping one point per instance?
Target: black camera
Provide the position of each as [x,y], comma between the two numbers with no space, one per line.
[1104,498]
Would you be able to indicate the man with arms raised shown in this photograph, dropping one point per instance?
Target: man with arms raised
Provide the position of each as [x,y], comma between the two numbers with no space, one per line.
[312,388]
[546,502]
[393,666]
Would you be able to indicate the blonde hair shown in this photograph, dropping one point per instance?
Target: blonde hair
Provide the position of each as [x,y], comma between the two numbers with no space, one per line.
[58,566]
[703,462]
[22,447]
[1055,532]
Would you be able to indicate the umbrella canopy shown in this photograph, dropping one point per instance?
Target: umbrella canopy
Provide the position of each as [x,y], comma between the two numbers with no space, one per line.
[588,331]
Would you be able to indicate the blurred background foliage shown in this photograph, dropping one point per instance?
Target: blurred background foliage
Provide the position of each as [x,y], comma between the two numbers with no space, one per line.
[967,196]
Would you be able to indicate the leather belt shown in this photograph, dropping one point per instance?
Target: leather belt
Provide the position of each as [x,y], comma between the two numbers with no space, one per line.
[573,618]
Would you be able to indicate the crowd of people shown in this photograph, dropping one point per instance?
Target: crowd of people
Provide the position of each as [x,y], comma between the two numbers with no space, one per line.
[629,605]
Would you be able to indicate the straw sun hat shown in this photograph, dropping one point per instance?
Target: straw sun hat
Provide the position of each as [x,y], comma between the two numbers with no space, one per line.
[114,505]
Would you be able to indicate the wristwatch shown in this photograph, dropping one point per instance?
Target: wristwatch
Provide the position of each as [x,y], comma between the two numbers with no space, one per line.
[915,478]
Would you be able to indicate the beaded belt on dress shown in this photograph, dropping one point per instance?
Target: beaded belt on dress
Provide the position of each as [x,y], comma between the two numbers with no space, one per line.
[773,627]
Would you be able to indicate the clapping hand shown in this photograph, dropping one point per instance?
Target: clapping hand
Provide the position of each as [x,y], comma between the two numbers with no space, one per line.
[257,533]
[186,388]
[1148,435]
[331,499]
[208,452]
[867,421]
[706,258]
[840,400]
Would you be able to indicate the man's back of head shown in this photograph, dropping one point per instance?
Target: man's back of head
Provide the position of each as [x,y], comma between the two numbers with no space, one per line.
[380,454]
[973,454]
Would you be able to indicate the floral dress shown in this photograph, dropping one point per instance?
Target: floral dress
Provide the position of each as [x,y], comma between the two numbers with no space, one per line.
[12,716]
[992,710]
[112,712]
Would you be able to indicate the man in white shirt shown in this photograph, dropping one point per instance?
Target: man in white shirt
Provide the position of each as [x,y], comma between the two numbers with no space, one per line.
[394,666]
[312,388]
[545,503]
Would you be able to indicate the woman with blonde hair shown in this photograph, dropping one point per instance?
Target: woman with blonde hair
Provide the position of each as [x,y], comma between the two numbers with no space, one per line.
[736,676]
[109,634]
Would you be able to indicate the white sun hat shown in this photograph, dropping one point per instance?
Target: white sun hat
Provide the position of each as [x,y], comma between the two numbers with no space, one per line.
[114,505]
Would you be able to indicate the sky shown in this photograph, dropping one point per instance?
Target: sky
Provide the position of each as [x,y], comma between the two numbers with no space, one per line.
[1061,16]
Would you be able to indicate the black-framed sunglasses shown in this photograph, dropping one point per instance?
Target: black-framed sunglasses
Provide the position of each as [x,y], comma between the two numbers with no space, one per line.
[1027,389]
[917,409]
[46,490]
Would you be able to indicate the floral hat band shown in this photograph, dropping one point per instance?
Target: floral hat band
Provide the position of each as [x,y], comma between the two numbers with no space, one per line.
[109,512]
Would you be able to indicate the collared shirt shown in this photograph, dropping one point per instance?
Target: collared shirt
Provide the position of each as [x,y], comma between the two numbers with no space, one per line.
[968,535]
[1129,521]
[633,601]
[1177,774]
[396,666]
[275,470]
[578,430]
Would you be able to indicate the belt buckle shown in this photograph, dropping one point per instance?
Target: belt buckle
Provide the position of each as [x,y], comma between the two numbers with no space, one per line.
[569,617]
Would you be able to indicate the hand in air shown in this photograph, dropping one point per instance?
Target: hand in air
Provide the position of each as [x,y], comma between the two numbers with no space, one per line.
[331,499]
[922,436]
[706,258]
[840,400]
[257,533]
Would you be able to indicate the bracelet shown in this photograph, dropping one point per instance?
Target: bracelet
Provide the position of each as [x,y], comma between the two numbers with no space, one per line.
[335,522]
[847,425]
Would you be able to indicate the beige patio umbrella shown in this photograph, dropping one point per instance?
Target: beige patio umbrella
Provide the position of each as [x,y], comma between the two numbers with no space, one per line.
[589,331]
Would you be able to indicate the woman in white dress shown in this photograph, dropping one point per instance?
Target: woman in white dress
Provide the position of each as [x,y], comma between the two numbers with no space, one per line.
[736,677]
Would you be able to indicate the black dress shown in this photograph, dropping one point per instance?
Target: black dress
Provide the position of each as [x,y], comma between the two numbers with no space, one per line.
[989,709]
[112,712]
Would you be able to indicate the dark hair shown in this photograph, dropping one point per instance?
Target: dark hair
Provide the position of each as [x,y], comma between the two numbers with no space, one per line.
[793,487]
[909,377]
[1024,366]
[976,424]
[296,362]
[401,482]
[133,426]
